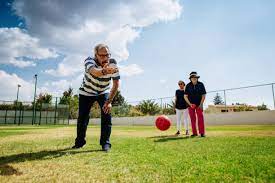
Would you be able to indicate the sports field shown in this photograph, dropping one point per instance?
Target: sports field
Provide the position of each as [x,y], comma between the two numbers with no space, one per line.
[139,154]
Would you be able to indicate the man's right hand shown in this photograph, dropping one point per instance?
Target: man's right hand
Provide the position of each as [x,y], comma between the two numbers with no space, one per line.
[109,69]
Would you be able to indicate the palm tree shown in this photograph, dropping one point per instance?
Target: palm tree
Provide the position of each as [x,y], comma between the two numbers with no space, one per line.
[149,107]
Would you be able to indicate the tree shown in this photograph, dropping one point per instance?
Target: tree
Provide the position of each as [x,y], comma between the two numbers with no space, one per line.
[74,107]
[17,103]
[218,100]
[134,111]
[44,98]
[262,107]
[119,99]
[243,107]
[121,110]
[169,108]
[67,96]
[72,101]
[149,107]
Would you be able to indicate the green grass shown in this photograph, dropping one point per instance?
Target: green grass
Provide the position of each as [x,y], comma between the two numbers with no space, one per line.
[139,154]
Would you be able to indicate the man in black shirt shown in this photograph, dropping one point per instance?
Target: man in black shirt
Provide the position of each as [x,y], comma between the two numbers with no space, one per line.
[195,95]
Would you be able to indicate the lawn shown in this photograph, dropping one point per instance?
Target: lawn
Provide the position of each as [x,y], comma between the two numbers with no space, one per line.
[139,154]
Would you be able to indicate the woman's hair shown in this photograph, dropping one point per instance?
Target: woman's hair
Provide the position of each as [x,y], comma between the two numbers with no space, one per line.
[180,81]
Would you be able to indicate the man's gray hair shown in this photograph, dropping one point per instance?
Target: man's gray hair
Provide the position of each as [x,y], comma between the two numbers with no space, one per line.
[100,46]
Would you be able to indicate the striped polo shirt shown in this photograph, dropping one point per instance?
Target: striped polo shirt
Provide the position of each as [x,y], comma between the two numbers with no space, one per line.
[92,85]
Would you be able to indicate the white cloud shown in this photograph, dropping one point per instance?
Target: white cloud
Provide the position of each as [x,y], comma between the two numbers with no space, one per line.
[119,39]
[73,28]
[70,65]
[130,70]
[56,88]
[17,44]
[9,84]
[22,64]
[163,81]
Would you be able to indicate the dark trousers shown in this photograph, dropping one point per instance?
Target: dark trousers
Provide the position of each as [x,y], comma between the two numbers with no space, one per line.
[85,104]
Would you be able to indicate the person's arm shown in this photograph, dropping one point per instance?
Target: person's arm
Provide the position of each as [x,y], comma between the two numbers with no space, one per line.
[90,67]
[202,101]
[108,104]
[187,100]
[175,103]
[104,71]
[203,93]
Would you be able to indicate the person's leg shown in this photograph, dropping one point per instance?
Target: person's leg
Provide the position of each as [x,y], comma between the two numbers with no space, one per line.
[200,121]
[179,116]
[106,122]
[192,115]
[186,121]
[85,104]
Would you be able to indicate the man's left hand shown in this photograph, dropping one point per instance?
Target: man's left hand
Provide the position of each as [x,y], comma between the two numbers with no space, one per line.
[107,107]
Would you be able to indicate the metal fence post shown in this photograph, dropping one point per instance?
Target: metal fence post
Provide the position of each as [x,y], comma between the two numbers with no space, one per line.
[272,85]
[34,112]
[224,95]
[63,116]
[55,110]
[15,110]
[20,113]
[47,116]
[40,115]
[6,116]
[22,116]
[69,114]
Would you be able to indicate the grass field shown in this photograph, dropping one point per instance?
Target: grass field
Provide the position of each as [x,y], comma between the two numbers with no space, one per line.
[139,154]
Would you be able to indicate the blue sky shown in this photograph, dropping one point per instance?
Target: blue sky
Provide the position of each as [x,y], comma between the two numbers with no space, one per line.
[229,43]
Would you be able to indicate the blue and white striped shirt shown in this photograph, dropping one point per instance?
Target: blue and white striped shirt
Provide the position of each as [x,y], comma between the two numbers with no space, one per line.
[92,85]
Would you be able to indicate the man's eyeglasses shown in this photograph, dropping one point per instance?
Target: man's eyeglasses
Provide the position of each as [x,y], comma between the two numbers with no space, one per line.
[104,55]
[181,84]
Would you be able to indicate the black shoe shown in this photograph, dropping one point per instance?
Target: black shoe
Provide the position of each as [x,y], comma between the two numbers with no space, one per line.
[106,147]
[202,135]
[77,146]
[178,132]
[194,135]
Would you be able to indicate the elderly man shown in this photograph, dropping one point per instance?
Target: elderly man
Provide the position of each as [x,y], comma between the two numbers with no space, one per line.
[99,71]
[195,95]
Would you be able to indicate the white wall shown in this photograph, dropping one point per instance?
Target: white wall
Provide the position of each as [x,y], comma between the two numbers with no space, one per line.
[233,118]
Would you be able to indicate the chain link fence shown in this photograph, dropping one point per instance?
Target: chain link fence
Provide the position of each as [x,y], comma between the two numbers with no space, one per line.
[249,98]
[18,113]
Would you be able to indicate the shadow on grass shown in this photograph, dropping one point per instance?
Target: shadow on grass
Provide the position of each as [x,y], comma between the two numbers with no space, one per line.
[165,138]
[6,169]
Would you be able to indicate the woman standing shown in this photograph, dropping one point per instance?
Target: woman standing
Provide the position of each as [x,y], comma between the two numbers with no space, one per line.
[181,109]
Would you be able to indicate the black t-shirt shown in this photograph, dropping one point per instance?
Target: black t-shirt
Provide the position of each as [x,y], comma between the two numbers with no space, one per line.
[195,92]
[180,102]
